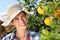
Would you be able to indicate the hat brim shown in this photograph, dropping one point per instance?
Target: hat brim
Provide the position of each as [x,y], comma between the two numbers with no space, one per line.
[11,17]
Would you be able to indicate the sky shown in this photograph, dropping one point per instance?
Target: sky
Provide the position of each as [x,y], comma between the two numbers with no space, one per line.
[3,7]
[4,4]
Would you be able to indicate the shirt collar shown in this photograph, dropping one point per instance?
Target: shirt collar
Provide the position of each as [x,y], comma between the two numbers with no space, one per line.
[14,34]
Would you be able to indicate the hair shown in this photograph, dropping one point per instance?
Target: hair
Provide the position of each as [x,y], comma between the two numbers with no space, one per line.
[19,12]
[2,29]
[24,12]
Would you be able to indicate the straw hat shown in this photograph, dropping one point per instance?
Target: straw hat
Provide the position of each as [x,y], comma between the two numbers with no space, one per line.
[12,11]
[2,16]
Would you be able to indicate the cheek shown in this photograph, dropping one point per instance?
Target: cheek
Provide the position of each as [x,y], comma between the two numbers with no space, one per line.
[15,23]
[24,20]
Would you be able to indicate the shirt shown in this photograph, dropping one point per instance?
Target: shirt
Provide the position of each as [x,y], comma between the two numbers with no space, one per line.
[12,36]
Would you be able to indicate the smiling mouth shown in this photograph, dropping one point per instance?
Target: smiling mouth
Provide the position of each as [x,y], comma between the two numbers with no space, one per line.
[23,24]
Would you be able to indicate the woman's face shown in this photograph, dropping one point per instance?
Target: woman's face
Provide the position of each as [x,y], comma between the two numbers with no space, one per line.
[20,21]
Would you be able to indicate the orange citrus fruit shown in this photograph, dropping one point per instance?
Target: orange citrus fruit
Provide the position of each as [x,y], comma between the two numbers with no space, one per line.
[57,14]
[40,10]
[47,21]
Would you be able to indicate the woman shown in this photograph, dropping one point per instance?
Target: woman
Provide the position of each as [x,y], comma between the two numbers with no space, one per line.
[18,17]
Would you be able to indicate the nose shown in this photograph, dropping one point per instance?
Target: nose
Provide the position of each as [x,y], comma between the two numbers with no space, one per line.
[24,20]
[21,21]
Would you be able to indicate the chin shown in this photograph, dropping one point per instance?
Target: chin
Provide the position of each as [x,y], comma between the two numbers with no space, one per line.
[23,27]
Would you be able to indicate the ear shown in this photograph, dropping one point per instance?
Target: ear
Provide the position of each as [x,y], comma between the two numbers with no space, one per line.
[11,23]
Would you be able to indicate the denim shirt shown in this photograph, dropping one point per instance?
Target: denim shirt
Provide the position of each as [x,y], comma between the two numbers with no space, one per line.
[12,36]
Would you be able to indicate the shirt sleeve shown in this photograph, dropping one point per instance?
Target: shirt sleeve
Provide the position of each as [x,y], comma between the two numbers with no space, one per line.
[35,35]
[5,38]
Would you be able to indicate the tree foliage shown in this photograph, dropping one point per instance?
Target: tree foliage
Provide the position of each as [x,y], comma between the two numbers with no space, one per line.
[46,18]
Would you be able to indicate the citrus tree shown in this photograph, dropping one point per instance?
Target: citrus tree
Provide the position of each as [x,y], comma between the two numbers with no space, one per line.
[46,18]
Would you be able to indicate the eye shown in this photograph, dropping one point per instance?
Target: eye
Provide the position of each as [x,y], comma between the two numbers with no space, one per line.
[23,15]
[16,19]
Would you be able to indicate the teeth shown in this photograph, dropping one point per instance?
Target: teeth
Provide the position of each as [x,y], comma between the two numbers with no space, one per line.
[22,24]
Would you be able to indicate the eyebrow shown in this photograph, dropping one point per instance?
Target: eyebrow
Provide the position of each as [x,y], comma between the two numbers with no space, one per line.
[24,12]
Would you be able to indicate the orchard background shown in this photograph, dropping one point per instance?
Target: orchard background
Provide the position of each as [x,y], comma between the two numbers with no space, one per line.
[46,18]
